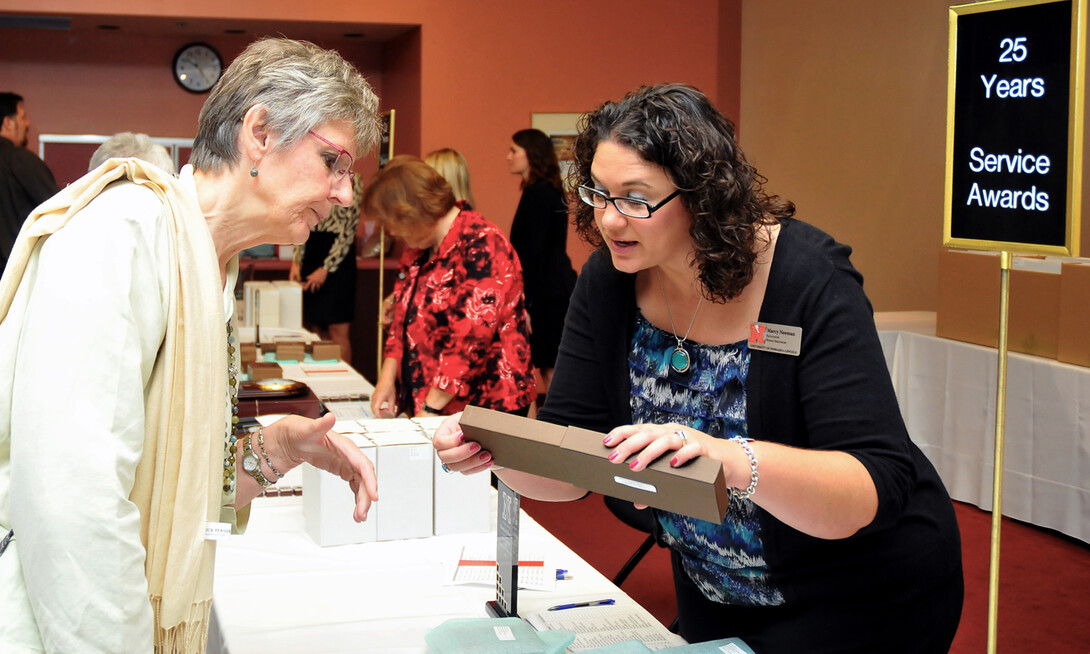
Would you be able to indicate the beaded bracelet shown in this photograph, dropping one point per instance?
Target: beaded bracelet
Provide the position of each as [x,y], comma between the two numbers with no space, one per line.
[754,476]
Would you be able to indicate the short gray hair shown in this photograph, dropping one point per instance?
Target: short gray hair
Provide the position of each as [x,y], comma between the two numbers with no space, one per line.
[138,146]
[302,86]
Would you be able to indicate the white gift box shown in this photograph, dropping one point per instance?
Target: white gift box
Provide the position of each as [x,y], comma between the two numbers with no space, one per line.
[328,503]
[291,304]
[403,466]
[262,303]
[462,502]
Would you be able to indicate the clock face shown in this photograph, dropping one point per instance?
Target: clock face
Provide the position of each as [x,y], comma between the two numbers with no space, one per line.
[197,67]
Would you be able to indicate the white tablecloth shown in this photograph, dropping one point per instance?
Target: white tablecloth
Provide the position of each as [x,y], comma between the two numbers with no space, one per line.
[947,391]
[277,591]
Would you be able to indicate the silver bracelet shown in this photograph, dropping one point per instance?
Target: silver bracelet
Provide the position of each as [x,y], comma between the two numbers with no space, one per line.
[754,476]
[280,475]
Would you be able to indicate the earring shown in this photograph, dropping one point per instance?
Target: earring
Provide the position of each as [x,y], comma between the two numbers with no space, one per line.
[253,171]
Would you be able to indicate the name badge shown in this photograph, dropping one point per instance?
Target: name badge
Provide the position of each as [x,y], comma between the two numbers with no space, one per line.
[770,337]
[217,530]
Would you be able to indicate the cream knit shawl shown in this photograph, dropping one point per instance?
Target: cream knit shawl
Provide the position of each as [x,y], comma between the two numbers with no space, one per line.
[178,484]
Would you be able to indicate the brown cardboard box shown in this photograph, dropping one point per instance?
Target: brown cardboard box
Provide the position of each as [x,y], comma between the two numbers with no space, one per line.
[247,353]
[968,306]
[290,350]
[968,303]
[1033,324]
[1074,324]
[578,456]
[261,370]
[324,350]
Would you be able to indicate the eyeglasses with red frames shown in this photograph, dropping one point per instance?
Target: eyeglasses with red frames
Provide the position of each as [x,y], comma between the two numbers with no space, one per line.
[340,165]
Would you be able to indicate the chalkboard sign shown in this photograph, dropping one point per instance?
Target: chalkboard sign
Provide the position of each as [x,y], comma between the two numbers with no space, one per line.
[1014,126]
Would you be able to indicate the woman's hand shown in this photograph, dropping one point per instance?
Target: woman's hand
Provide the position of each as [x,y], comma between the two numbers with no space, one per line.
[295,274]
[296,440]
[384,397]
[454,452]
[650,442]
[384,400]
[315,280]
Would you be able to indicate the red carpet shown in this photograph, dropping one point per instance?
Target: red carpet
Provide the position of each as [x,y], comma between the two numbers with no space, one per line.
[1044,578]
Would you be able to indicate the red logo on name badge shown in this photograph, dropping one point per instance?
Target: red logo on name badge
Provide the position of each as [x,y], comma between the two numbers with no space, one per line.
[757,334]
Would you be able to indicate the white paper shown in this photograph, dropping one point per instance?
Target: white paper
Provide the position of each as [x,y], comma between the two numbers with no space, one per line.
[477,565]
[599,626]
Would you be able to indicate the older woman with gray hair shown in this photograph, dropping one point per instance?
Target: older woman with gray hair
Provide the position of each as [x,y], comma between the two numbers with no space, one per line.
[126,144]
[120,457]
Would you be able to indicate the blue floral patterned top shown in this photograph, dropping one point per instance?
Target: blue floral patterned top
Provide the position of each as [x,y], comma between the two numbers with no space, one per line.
[726,561]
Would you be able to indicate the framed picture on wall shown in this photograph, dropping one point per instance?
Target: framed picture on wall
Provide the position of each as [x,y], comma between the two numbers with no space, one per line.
[386,145]
[562,129]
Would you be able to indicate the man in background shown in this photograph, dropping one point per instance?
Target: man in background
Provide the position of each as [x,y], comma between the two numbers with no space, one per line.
[25,180]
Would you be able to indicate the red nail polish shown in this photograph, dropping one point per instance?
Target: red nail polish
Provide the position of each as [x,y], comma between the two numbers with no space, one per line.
[635,462]
[605,441]
[673,462]
[614,455]
[461,437]
[474,448]
[485,457]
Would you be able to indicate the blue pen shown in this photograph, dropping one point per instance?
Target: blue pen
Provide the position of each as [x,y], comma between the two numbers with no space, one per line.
[579,605]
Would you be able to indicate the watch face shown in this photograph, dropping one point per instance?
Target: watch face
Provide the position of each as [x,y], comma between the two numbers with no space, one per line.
[249,463]
[197,67]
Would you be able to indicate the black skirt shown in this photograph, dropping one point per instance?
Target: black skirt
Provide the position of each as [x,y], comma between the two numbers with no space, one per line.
[335,301]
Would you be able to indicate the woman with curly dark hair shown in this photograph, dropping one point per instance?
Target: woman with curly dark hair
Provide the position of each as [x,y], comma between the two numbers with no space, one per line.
[539,234]
[710,322]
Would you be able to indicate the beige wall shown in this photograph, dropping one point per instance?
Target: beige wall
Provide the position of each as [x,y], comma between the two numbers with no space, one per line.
[844,111]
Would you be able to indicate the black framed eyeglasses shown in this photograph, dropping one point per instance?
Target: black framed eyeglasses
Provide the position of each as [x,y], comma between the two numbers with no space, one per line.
[631,207]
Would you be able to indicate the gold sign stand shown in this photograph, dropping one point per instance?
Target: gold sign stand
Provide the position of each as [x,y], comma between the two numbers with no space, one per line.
[1025,26]
[386,152]
[997,478]
[381,288]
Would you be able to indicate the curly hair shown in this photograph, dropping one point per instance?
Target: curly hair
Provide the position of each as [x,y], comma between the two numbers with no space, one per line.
[675,126]
[541,156]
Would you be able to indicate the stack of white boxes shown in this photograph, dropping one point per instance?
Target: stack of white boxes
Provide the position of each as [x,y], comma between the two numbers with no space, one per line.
[277,304]
[416,497]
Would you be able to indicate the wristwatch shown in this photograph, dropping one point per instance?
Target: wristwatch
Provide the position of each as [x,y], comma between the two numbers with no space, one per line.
[252,465]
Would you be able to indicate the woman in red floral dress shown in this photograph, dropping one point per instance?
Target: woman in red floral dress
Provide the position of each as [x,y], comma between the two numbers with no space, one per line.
[459,334]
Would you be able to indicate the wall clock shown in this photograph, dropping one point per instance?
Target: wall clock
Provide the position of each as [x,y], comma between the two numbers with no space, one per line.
[197,67]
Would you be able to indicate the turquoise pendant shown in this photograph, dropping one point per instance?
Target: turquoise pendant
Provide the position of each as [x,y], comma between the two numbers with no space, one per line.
[679,359]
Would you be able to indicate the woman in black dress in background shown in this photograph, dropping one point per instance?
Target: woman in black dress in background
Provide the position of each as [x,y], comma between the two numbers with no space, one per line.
[326,267]
[539,234]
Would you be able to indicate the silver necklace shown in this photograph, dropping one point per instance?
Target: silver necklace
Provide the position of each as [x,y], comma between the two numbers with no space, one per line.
[679,358]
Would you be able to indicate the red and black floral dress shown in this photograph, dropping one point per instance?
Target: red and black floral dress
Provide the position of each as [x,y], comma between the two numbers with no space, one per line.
[460,322]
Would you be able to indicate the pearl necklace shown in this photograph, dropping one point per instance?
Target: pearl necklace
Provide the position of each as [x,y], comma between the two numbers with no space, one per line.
[230,438]
[679,358]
